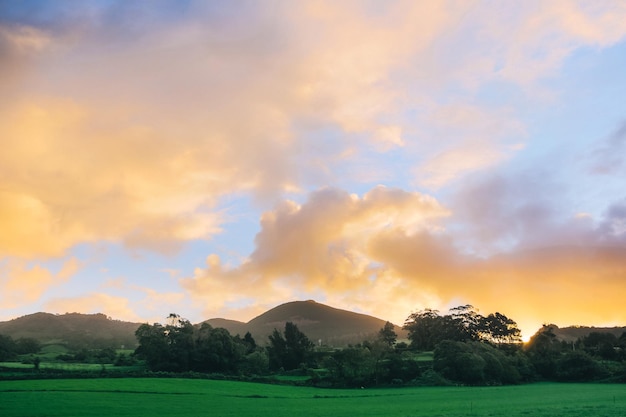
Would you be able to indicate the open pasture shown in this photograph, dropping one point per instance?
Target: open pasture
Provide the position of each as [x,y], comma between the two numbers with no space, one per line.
[184,397]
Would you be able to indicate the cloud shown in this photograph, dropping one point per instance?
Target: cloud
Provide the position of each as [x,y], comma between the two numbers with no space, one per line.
[466,138]
[389,253]
[612,228]
[22,283]
[499,212]
[606,158]
[131,125]
[67,182]
[322,245]
[19,47]
[531,41]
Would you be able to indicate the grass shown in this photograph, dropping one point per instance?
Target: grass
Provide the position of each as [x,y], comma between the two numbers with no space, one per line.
[58,365]
[424,357]
[75,367]
[183,397]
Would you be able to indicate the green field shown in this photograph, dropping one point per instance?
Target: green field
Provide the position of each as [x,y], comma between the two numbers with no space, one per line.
[185,397]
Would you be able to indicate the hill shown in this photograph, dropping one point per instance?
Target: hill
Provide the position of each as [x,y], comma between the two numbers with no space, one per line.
[233,326]
[321,323]
[573,333]
[73,329]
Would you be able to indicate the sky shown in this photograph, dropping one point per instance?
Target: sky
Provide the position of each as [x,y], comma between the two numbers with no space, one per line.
[219,158]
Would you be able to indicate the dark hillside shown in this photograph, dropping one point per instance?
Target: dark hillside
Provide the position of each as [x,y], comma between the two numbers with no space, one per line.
[233,326]
[332,326]
[73,329]
[573,333]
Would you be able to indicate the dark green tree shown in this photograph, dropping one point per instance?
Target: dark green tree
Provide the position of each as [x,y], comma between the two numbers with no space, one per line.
[463,323]
[8,349]
[425,329]
[458,362]
[475,363]
[276,350]
[352,366]
[217,351]
[543,350]
[27,345]
[499,329]
[290,350]
[249,342]
[387,334]
[153,346]
[602,345]
[256,363]
[166,348]
[577,366]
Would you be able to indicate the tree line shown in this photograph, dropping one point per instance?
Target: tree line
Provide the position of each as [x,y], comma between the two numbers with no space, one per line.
[465,347]
[460,347]
[11,348]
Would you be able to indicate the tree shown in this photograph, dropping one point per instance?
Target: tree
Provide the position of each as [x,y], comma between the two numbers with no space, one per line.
[475,363]
[499,329]
[465,323]
[577,366]
[7,348]
[288,351]
[153,346]
[456,361]
[26,345]
[276,350]
[352,366]
[601,344]
[166,348]
[256,363]
[425,329]
[387,334]
[543,350]
[249,342]
[216,350]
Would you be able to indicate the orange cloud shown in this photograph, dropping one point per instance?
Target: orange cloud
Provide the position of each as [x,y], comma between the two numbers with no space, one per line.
[137,138]
[22,284]
[66,183]
[321,245]
[388,254]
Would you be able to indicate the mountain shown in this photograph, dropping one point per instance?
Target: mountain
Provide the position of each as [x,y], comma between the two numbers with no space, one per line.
[321,323]
[73,329]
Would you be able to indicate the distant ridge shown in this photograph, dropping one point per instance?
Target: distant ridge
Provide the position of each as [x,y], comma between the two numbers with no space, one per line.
[73,329]
[233,326]
[573,333]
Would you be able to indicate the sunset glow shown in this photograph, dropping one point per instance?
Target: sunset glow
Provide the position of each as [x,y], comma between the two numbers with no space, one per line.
[216,159]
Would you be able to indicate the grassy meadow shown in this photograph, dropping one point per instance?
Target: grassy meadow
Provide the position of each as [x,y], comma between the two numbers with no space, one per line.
[186,397]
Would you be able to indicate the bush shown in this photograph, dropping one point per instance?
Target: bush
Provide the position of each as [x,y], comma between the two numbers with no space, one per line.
[475,363]
[578,367]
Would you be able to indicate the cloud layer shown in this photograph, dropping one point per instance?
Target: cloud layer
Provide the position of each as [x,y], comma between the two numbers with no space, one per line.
[106,138]
[122,124]
[389,253]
